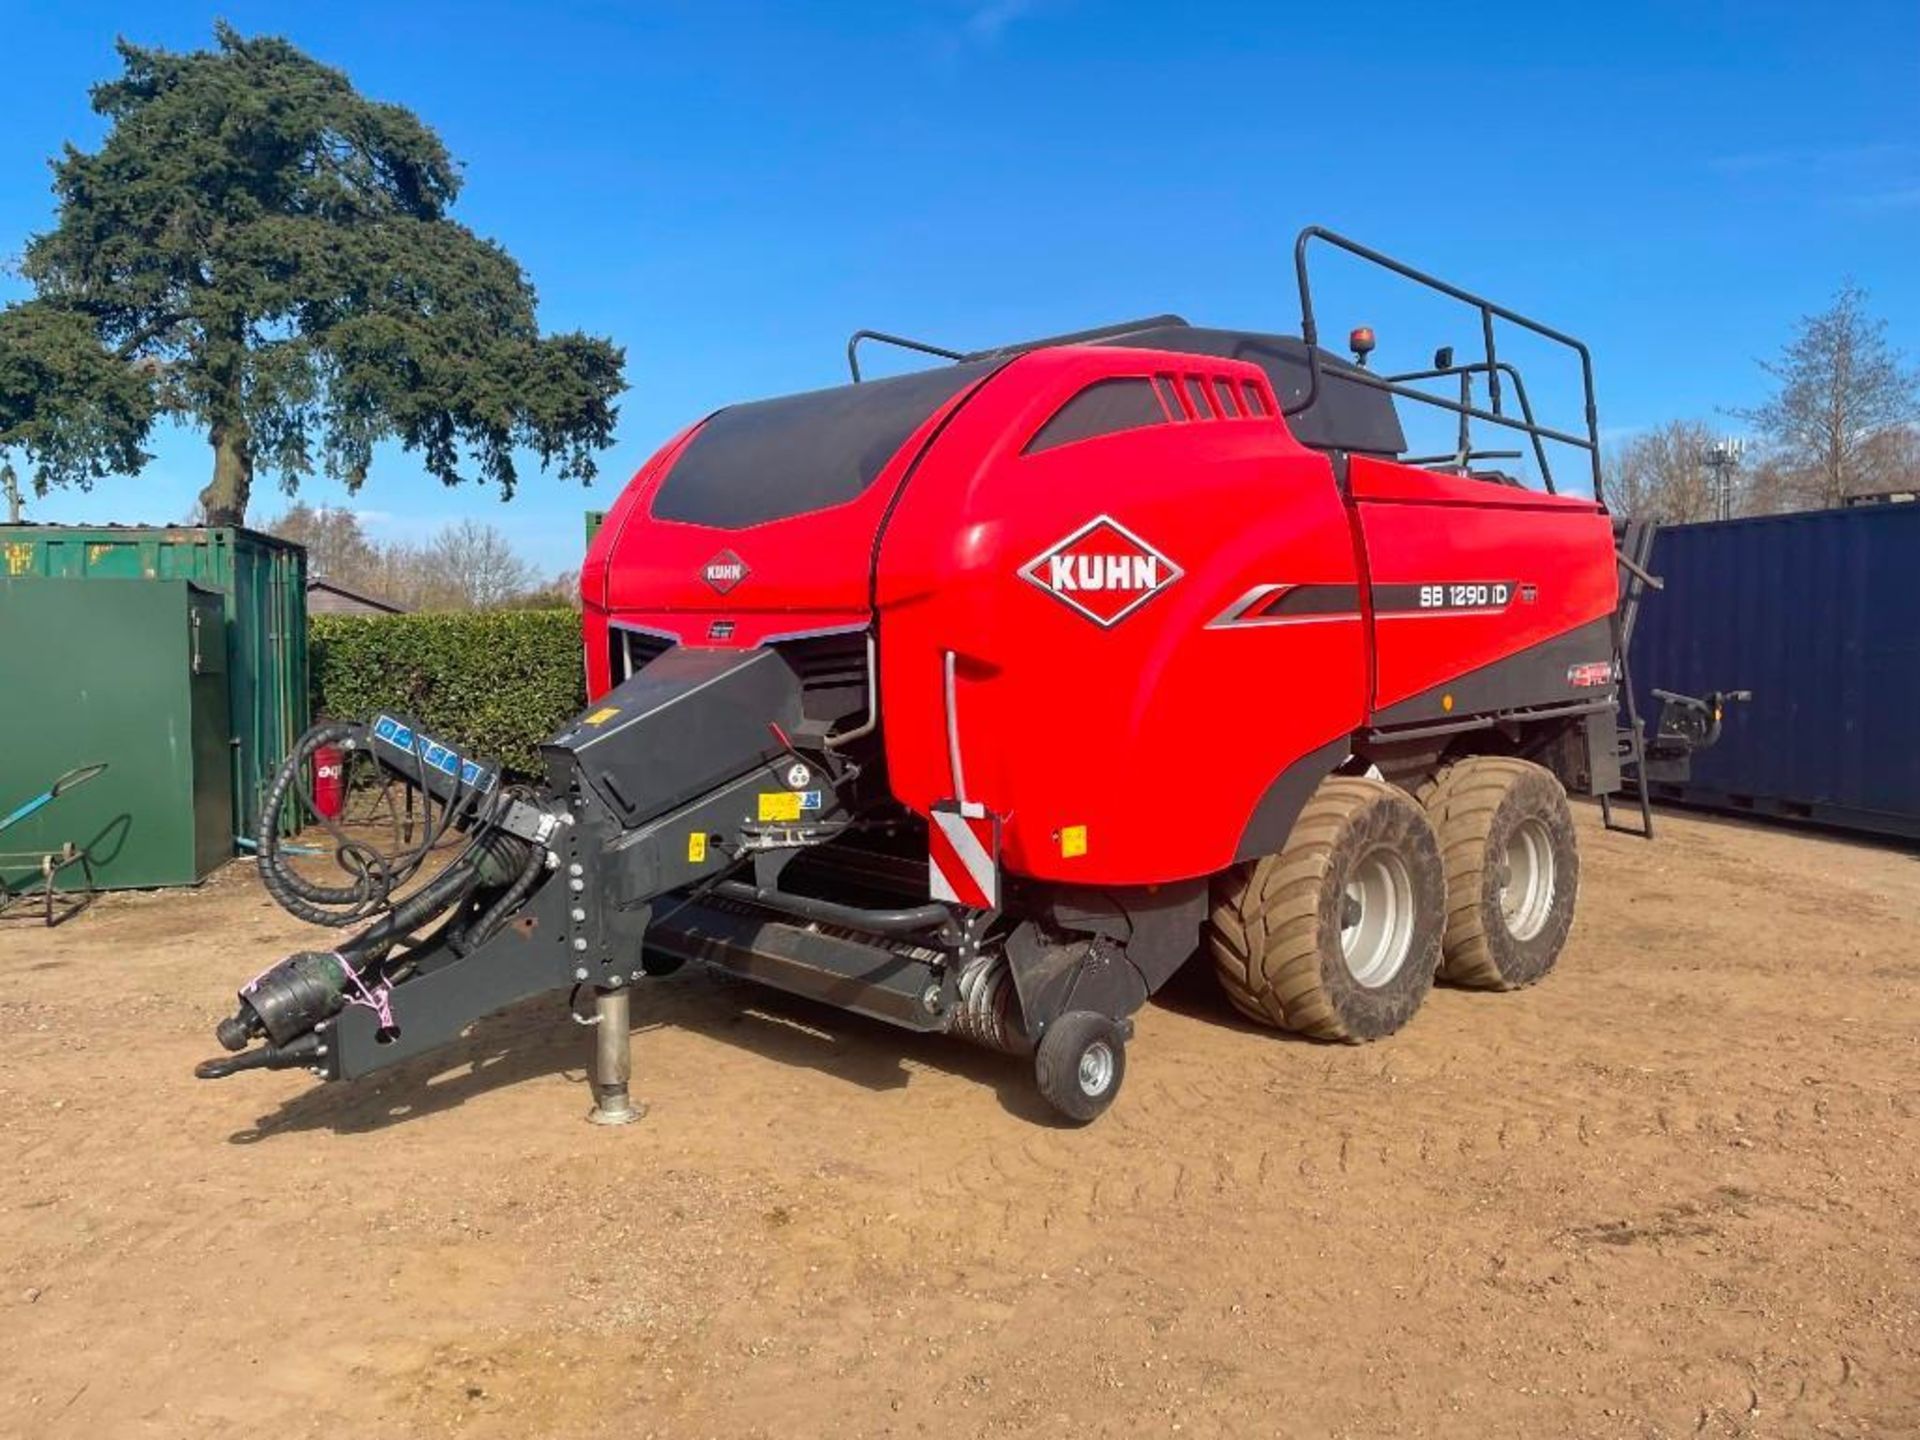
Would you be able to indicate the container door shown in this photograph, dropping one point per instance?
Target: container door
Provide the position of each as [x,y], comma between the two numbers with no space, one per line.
[213,751]
[116,687]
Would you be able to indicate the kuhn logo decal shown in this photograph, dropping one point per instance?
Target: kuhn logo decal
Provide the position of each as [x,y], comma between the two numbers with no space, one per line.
[1103,570]
[724,571]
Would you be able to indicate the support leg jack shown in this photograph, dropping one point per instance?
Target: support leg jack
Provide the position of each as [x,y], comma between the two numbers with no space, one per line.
[613,1060]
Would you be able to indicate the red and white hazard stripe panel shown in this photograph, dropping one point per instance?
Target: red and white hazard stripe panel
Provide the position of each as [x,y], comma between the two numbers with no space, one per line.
[963,851]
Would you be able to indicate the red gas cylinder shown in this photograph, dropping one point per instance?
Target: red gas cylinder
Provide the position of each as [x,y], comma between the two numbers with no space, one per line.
[329,774]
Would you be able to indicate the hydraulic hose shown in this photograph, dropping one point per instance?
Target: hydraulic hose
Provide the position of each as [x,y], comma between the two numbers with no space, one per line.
[448,888]
[304,989]
[333,905]
[288,1002]
[495,915]
[491,849]
[376,876]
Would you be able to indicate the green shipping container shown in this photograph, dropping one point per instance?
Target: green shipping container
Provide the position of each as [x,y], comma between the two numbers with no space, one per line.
[264,580]
[132,675]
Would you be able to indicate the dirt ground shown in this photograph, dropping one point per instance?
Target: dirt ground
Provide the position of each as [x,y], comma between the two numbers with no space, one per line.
[1673,1191]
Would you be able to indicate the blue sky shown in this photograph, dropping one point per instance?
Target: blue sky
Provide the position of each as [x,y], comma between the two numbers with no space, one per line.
[728,189]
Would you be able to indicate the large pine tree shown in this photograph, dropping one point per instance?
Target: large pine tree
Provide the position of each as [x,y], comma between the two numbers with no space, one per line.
[268,254]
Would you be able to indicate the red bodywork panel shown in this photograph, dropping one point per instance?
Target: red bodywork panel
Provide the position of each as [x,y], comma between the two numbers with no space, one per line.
[1423,529]
[1147,627]
[808,573]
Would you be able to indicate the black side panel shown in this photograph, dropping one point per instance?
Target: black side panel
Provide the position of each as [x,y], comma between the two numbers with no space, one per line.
[1157,927]
[1272,819]
[1053,977]
[688,723]
[1536,676]
[1105,407]
[773,459]
[1584,754]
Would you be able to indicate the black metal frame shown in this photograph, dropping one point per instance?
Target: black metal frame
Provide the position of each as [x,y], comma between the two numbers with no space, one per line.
[1466,372]
[52,910]
[1001,352]
[906,920]
[1518,715]
[1490,364]
[1633,549]
[50,863]
[898,341]
[839,966]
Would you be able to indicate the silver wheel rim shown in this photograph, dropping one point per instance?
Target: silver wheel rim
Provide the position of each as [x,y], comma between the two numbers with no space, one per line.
[1096,1069]
[1526,899]
[1376,931]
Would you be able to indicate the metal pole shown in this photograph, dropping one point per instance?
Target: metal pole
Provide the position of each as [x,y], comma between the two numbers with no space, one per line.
[1722,457]
[10,483]
[613,1060]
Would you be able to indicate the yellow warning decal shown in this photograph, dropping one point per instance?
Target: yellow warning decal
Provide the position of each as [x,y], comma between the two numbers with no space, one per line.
[1073,842]
[602,715]
[779,805]
[697,847]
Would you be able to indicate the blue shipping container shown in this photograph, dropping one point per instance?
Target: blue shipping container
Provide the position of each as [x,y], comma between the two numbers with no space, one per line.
[1818,615]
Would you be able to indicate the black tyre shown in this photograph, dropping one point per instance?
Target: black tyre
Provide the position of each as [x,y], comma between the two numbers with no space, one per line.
[1080,1063]
[1338,935]
[1513,870]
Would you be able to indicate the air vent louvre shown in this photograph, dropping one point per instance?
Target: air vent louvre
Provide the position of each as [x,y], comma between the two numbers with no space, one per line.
[832,671]
[630,651]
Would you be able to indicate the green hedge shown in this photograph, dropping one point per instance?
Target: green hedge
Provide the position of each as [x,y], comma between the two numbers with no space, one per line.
[495,682]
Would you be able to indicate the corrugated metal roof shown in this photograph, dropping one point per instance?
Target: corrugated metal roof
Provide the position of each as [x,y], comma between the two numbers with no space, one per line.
[358,597]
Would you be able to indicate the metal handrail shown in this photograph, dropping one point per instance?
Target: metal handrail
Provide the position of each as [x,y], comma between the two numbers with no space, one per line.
[1500,368]
[900,341]
[1490,364]
[999,352]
